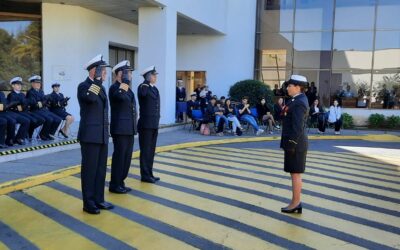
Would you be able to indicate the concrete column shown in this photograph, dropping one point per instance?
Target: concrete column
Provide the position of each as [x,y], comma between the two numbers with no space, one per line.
[157,46]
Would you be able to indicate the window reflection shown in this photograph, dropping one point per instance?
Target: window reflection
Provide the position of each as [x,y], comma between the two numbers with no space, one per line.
[312,50]
[388,14]
[277,15]
[314,15]
[354,14]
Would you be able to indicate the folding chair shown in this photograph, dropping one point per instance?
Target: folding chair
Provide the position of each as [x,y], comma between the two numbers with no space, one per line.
[197,116]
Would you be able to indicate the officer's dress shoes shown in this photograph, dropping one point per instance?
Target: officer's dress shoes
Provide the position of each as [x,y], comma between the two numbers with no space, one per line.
[148,180]
[105,205]
[119,190]
[156,178]
[91,209]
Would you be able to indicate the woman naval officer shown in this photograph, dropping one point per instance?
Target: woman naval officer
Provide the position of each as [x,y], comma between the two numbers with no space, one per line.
[294,139]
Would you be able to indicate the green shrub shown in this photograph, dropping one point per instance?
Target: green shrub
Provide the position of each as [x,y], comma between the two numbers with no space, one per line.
[376,120]
[347,121]
[252,89]
[393,121]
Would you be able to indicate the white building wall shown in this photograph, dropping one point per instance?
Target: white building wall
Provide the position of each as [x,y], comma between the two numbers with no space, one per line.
[71,37]
[226,58]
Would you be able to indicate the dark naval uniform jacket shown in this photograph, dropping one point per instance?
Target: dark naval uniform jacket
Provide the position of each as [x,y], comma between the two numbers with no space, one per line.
[294,134]
[93,127]
[123,111]
[149,101]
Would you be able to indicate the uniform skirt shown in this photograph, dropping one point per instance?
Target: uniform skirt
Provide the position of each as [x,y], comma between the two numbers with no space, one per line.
[61,113]
[295,161]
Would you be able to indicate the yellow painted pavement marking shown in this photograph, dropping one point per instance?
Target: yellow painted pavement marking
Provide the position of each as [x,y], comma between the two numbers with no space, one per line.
[311,161]
[339,224]
[204,228]
[247,164]
[130,232]
[342,207]
[3,246]
[276,161]
[39,229]
[339,159]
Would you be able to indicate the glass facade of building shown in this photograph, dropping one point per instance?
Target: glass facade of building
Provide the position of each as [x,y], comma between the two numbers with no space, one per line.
[348,48]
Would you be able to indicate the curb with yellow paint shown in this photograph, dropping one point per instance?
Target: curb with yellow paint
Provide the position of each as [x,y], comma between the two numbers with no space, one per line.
[24,183]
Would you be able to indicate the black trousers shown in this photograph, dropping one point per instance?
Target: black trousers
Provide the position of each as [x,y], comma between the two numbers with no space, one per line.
[93,172]
[338,125]
[3,127]
[51,122]
[147,144]
[34,121]
[121,159]
[14,118]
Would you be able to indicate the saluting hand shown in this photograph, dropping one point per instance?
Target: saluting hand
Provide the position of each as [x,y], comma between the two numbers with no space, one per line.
[124,86]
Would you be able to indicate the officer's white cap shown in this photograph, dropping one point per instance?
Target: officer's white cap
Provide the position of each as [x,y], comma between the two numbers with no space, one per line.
[35,78]
[16,79]
[298,80]
[96,61]
[193,94]
[151,69]
[126,64]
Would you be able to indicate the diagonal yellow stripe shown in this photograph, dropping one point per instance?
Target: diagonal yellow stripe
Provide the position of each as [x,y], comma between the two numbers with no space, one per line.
[339,224]
[268,158]
[39,229]
[2,246]
[130,232]
[363,213]
[204,228]
[339,157]
[278,164]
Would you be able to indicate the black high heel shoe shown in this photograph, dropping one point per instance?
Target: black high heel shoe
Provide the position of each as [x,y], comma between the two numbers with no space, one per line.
[62,133]
[298,209]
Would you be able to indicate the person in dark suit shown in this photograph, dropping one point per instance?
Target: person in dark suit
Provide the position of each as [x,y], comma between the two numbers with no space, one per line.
[123,126]
[39,105]
[12,120]
[192,104]
[19,105]
[93,136]
[317,114]
[294,140]
[57,106]
[180,97]
[149,118]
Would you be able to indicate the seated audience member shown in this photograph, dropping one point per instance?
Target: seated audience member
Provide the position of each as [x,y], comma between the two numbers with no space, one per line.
[57,105]
[311,93]
[317,115]
[347,93]
[192,104]
[278,107]
[264,115]
[222,100]
[203,102]
[19,105]
[12,119]
[277,91]
[245,115]
[211,116]
[335,116]
[230,113]
[220,118]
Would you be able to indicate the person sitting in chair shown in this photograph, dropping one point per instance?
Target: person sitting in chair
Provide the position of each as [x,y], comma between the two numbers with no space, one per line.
[335,116]
[264,115]
[317,115]
[245,115]
[230,113]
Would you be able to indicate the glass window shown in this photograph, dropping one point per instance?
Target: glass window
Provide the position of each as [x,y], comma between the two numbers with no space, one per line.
[118,54]
[320,79]
[20,50]
[277,15]
[272,77]
[387,50]
[354,14]
[277,45]
[388,14]
[386,89]
[313,50]
[314,15]
[353,88]
[352,50]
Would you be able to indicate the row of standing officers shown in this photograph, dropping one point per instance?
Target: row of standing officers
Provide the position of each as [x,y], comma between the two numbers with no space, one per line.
[94,129]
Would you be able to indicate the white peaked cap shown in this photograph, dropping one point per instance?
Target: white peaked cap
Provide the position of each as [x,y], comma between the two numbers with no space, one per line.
[149,69]
[298,78]
[126,64]
[96,61]
[35,78]
[16,79]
